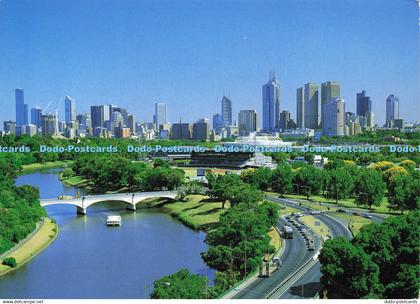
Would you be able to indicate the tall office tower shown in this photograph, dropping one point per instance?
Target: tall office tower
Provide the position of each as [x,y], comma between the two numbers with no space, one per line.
[271,104]
[247,121]
[160,117]
[284,120]
[311,106]
[21,108]
[131,123]
[329,90]
[392,109]
[334,118]
[217,121]
[99,115]
[226,112]
[70,109]
[36,114]
[200,130]
[181,131]
[9,127]
[49,124]
[370,120]
[116,121]
[85,120]
[300,108]
[363,104]
[96,116]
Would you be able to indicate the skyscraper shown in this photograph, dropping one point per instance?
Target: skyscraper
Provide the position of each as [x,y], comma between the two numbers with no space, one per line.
[271,104]
[49,124]
[226,112]
[160,117]
[392,109]
[21,108]
[363,104]
[36,114]
[217,121]
[300,108]
[70,109]
[311,106]
[334,118]
[200,130]
[181,131]
[132,123]
[247,121]
[99,115]
[284,120]
[329,90]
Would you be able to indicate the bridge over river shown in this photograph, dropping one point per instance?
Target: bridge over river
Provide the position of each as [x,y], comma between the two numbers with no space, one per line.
[131,199]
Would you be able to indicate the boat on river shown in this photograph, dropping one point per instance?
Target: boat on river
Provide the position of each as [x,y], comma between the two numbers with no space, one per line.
[113,220]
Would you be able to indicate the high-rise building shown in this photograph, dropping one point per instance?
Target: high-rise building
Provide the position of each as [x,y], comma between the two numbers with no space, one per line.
[200,130]
[21,108]
[247,121]
[363,104]
[85,121]
[329,90]
[334,118]
[29,130]
[271,104]
[99,115]
[160,117]
[132,123]
[311,106]
[370,120]
[70,109]
[300,108]
[226,112]
[217,121]
[9,127]
[49,124]
[392,109]
[181,131]
[284,120]
[36,114]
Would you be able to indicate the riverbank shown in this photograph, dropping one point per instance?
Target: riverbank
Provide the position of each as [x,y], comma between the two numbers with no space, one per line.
[48,165]
[31,246]
[199,212]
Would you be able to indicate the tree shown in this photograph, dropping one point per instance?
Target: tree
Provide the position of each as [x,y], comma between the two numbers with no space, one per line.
[401,189]
[243,194]
[180,285]
[349,269]
[10,261]
[259,178]
[309,180]
[281,179]
[340,183]
[369,187]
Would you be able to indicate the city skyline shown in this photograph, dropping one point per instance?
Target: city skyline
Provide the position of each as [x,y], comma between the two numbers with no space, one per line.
[360,58]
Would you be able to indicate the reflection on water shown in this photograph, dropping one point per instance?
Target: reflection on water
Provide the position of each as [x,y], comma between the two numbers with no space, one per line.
[91,260]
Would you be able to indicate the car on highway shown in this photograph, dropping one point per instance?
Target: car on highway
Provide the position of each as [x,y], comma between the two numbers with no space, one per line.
[341,210]
[367,216]
[357,214]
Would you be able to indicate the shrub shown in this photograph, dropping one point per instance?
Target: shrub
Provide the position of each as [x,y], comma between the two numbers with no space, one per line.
[10,261]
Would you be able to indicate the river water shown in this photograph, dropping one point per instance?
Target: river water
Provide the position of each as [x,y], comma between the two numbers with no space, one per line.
[90,260]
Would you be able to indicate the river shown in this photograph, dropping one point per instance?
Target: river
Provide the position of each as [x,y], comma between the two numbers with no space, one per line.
[90,260]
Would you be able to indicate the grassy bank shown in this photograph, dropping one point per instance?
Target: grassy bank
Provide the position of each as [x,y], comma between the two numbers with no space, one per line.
[355,223]
[24,252]
[316,225]
[346,203]
[199,212]
[75,181]
[48,165]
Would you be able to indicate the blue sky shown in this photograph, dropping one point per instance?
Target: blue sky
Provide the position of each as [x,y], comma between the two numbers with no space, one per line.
[189,53]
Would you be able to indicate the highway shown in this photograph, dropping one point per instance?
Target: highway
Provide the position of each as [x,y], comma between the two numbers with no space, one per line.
[294,257]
